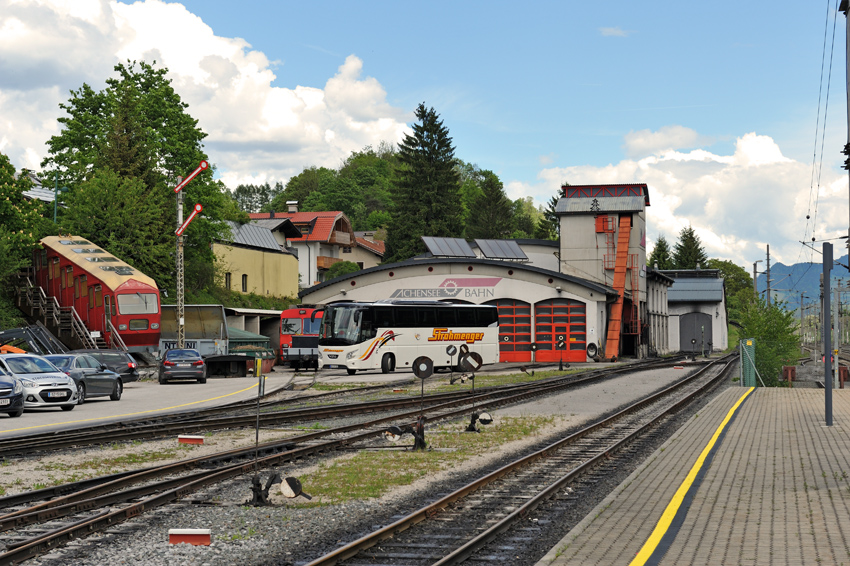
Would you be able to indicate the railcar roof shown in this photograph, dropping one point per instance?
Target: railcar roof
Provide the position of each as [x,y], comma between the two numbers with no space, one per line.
[113,273]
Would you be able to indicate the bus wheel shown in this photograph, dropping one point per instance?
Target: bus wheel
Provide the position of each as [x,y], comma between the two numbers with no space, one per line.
[351,371]
[387,363]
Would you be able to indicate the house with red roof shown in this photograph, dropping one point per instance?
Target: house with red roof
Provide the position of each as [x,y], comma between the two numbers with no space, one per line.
[326,238]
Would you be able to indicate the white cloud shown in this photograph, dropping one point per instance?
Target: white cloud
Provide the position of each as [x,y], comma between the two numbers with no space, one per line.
[647,142]
[732,201]
[256,132]
[614,32]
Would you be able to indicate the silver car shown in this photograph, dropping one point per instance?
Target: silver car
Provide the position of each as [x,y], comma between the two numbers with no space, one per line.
[44,385]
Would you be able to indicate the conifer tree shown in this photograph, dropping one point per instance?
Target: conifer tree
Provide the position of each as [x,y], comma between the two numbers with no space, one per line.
[491,213]
[688,252]
[660,258]
[426,197]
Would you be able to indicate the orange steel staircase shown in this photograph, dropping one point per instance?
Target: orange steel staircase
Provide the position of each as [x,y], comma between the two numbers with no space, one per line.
[612,343]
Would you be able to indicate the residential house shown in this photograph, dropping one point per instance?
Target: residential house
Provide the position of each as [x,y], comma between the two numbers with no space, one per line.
[254,262]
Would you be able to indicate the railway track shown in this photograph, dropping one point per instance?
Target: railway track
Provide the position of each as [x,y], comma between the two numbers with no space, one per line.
[39,521]
[478,518]
[221,418]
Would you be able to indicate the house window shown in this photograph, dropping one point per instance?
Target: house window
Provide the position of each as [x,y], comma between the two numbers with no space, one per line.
[227,281]
[244,282]
[346,250]
[305,229]
[360,264]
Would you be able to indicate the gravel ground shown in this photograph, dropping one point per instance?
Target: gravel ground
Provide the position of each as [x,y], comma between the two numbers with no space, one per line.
[297,531]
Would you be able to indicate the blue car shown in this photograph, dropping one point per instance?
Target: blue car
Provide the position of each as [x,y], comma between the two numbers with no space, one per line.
[11,395]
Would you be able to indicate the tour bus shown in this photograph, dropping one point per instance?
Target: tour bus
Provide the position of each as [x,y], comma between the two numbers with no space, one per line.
[393,333]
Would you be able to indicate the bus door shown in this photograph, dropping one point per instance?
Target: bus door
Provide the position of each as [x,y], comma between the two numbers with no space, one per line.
[95,310]
[108,313]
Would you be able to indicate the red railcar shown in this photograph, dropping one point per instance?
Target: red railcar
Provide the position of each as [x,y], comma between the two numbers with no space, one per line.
[108,294]
[299,338]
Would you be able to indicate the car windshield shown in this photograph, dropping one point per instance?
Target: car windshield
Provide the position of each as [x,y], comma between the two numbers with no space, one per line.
[60,361]
[30,365]
[182,354]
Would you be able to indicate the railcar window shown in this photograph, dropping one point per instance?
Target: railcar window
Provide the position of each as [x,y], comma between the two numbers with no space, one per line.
[76,287]
[69,275]
[74,242]
[56,268]
[91,297]
[88,251]
[84,285]
[290,326]
[100,259]
[312,327]
[137,303]
[43,258]
[98,296]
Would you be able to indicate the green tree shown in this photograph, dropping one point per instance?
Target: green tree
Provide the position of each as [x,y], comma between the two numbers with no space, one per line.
[491,213]
[134,218]
[138,128]
[427,192]
[21,222]
[688,251]
[660,255]
[256,198]
[549,226]
[525,218]
[301,186]
[341,268]
[774,329]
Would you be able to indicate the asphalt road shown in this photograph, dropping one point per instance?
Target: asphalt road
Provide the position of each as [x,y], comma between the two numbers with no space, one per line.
[140,399]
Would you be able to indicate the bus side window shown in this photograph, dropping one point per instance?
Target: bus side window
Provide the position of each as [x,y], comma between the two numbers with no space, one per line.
[383,317]
[488,317]
[425,316]
[405,317]
[446,317]
[465,317]
[367,328]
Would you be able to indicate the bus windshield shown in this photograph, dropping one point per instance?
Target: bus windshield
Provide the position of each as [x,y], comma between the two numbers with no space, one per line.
[346,324]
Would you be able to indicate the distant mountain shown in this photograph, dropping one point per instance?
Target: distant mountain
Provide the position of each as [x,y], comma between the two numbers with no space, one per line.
[788,281]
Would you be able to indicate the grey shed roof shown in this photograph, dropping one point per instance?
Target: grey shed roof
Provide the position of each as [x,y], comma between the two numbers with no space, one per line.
[253,236]
[283,225]
[40,193]
[694,290]
[607,204]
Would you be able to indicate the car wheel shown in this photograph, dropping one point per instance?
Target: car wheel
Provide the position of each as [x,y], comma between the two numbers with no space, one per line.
[68,407]
[81,393]
[202,380]
[351,371]
[162,380]
[15,414]
[117,391]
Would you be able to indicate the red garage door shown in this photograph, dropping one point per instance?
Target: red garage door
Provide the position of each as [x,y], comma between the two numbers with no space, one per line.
[561,319]
[514,330]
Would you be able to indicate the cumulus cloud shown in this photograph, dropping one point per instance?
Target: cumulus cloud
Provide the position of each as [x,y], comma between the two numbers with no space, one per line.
[647,142]
[732,201]
[256,132]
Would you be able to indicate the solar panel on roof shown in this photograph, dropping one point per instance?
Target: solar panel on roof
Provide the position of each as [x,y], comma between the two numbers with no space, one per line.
[448,247]
[501,249]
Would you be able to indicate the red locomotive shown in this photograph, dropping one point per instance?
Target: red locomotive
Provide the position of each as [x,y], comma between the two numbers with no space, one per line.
[108,294]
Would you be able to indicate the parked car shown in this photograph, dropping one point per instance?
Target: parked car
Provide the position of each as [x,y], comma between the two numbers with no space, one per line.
[44,385]
[182,364]
[93,378]
[120,362]
[11,395]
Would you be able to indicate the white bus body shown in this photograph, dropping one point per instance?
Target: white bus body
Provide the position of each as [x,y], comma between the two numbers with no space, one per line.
[390,335]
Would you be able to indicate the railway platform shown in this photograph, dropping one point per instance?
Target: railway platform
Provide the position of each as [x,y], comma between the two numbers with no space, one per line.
[756,477]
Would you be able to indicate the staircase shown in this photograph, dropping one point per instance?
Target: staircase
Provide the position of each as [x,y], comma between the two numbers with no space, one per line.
[63,322]
[612,342]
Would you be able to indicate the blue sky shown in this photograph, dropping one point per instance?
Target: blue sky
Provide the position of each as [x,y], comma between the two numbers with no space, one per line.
[714,106]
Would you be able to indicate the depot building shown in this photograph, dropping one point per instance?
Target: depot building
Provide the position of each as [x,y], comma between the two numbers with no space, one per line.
[589,294]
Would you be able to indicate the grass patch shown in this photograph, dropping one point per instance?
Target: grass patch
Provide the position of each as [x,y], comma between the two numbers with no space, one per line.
[335,386]
[372,474]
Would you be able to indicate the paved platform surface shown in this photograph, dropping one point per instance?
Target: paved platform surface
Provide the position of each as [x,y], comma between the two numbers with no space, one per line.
[775,491]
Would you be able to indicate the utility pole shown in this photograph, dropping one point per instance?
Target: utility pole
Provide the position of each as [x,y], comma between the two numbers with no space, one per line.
[845,7]
[827,342]
[802,334]
[755,281]
[767,270]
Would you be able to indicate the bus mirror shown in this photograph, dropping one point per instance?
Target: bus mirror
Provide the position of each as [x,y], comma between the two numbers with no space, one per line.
[313,314]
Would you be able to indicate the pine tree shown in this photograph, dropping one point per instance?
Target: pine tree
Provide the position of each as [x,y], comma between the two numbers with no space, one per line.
[491,213]
[426,197]
[660,258]
[688,252]
[549,227]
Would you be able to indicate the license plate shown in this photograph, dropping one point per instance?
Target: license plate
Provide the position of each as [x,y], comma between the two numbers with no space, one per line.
[56,394]
[184,365]
[5,402]
[332,366]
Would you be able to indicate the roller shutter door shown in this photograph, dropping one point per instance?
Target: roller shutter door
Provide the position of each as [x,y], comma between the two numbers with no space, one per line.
[514,330]
[561,319]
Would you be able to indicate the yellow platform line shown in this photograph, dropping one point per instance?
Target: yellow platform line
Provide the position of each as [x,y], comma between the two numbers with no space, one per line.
[133,414]
[673,507]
